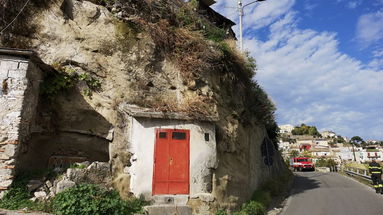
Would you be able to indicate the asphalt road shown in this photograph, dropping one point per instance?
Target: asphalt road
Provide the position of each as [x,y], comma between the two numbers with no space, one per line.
[316,193]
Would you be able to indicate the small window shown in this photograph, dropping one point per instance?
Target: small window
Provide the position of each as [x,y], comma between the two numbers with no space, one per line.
[179,135]
[163,135]
[207,137]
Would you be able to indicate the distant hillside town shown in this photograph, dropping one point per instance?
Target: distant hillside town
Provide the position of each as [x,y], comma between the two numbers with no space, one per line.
[307,141]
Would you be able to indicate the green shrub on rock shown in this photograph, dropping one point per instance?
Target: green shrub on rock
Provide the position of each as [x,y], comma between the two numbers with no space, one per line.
[87,199]
[220,212]
[18,197]
[262,196]
[252,208]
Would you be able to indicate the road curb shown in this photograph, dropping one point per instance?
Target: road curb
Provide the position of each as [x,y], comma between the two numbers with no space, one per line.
[287,201]
[285,205]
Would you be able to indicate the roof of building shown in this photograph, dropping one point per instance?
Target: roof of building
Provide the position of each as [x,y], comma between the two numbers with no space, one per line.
[320,150]
[372,146]
[208,2]
[16,52]
[28,54]
[136,111]
[322,147]
[302,137]
[328,132]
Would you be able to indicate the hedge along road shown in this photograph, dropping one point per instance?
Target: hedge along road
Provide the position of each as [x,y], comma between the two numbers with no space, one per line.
[316,193]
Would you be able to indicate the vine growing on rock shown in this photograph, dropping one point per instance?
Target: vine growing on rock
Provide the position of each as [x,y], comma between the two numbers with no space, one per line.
[65,78]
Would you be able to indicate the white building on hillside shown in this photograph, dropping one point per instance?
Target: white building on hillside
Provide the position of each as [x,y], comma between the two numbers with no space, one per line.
[328,134]
[286,128]
[320,151]
[305,141]
[370,153]
[345,154]
[321,142]
[284,146]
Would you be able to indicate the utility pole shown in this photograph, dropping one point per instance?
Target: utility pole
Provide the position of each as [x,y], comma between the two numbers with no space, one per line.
[353,151]
[240,11]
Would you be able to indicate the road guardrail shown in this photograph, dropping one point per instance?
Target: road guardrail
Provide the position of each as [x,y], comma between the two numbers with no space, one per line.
[322,169]
[362,173]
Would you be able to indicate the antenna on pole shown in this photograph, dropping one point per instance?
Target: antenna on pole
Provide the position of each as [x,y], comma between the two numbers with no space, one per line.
[240,11]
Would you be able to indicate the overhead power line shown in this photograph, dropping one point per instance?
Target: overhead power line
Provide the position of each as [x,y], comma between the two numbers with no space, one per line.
[22,9]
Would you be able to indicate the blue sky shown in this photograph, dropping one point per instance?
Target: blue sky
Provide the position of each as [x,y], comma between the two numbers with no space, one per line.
[321,61]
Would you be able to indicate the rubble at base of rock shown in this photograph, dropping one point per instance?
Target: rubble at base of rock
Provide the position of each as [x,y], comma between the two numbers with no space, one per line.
[92,173]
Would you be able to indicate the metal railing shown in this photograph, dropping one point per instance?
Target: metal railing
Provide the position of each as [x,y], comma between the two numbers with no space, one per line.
[362,173]
[373,156]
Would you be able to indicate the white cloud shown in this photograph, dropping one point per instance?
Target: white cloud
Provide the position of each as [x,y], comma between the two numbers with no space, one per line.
[265,13]
[228,8]
[309,6]
[315,83]
[378,53]
[354,4]
[257,15]
[309,78]
[376,64]
[370,28]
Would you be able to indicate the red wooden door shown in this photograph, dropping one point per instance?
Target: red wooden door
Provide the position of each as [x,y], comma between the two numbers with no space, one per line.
[171,162]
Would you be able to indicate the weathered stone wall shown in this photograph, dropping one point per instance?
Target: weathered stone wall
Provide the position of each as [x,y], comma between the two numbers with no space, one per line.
[20,80]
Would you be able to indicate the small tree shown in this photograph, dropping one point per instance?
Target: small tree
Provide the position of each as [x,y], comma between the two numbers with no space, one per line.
[306,130]
[306,154]
[286,138]
[356,140]
[313,131]
[294,153]
[340,139]
[331,162]
[321,162]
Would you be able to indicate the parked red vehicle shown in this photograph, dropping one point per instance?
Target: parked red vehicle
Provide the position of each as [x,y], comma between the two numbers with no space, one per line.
[302,163]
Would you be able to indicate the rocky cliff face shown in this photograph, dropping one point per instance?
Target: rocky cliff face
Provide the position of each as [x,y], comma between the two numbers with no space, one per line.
[146,53]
